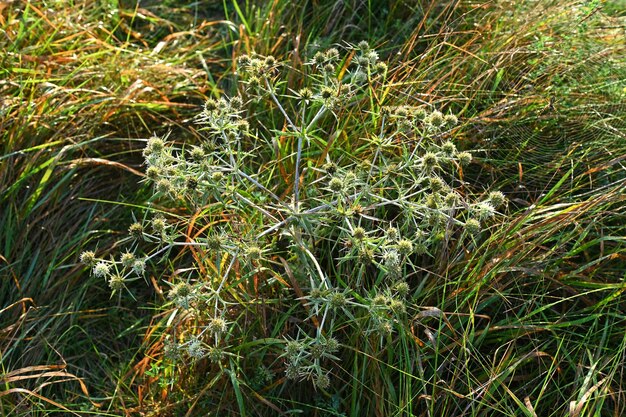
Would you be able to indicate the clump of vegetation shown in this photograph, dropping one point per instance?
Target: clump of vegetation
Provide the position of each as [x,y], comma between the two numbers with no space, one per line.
[270,230]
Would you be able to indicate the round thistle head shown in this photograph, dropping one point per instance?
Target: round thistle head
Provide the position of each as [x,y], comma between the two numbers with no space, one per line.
[254,253]
[337,299]
[164,186]
[335,184]
[472,226]
[372,57]
[127,259]
[363,60]
[319,58]
[139,267]
[485,210]
[405,247]
[366,256]
[359,77]
[436,184]
[305,94]
[332,54]
[396,306]
[327,92]
[363,46]
[215,354]
[215,242]
[322,381]
[448,148]
[350,179]
[381,67]
[136,230]
[451,199]
[317,350]
[496,198]
[195,350]
[254,82]
[211,105]
[217,176]
[88,258]
[430,161]
[379,300]
[384,327]
[154,172]
[244,61]
[217,325]
[180,290]
[392,233]
[436,119]
[464,158]
[191,183]
[359,233]
[158,224]
[402,288]
[101,269]
[450,120]
[330,168]
[269,61]
[293,349]
[392,259]
[155,145]
[419,113]
[236,103]
[116,282]
[329,68]
[331,344]
[292,371]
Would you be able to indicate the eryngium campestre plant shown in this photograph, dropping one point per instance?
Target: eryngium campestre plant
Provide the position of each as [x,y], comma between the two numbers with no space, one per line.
[298,231]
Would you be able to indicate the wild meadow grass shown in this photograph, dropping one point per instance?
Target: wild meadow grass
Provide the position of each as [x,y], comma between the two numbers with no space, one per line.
[327,208]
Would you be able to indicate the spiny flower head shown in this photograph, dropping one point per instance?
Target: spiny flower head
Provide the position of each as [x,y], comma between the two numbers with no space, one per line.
[402,288]
[254,253]
[101,269]
[155,145]
[359,233]
[429,160]
[182,289]
[496,198]
[158,224]
[215,354]
[485,210]
[305,94]
[450,120]
[88,258]
[392,233]
[405,247]
[435,119]
[116,282]
[337,299]
[217,325]
[195,349]
[127,259]
[448,148]
[322,381]
[472,226]
[139,266]
[464,158]
[335,184]
[293,349]
[136,230]
[332,54]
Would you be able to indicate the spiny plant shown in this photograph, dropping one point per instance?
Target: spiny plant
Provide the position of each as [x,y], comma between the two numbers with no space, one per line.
[296,234]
